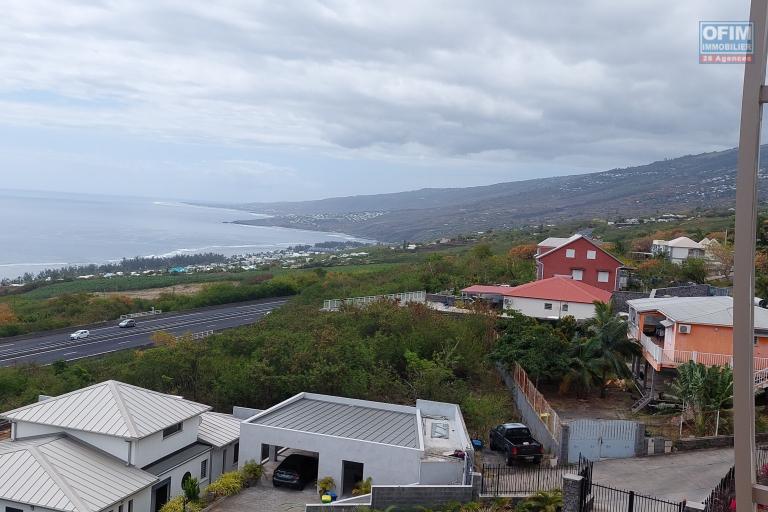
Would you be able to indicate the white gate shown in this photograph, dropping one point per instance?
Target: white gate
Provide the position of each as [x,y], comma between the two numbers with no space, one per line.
[601,439]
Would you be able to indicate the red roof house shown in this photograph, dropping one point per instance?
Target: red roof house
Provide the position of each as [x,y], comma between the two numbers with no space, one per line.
[555,297]
[582,260]
[551,298]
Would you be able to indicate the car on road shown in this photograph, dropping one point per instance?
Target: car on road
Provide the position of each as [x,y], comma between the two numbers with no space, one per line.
[515,440]
[128,322]
[82,333]
[296,471]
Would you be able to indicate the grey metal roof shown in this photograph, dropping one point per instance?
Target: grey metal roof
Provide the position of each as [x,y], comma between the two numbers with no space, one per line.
[177,458]
[362,422]
[697,310]
[112,408]
[58,473]
[218,429]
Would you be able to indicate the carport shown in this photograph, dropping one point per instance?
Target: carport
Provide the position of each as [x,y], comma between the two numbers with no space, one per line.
[357,439]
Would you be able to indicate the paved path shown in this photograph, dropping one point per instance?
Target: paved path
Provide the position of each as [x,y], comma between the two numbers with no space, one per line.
[679,476]
[47,348]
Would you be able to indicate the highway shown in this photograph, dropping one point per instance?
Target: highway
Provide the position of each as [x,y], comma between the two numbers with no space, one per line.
[47,348]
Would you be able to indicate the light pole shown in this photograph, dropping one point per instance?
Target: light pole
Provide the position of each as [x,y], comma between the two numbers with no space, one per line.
[747,491]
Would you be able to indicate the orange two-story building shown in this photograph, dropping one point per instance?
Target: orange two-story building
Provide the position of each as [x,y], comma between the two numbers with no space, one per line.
[675,330]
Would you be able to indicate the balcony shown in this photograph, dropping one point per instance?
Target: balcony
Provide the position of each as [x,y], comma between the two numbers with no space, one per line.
[659,357]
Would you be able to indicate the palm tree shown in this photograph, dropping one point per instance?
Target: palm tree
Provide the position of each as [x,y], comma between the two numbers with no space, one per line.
[583,370]
[543,501]
[615,347]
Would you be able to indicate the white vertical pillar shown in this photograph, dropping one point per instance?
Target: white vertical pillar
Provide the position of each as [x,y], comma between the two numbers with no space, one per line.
[744,261]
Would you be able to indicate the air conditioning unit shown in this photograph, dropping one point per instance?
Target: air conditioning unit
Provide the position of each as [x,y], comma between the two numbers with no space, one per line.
[684,329]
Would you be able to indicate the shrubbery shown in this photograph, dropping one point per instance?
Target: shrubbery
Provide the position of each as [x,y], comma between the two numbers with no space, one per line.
[177,505]
[228,484]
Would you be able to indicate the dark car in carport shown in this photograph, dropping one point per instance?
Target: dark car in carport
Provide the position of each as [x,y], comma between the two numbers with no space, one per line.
[296,471]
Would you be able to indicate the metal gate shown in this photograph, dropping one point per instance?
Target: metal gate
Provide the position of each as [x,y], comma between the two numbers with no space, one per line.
[601,439]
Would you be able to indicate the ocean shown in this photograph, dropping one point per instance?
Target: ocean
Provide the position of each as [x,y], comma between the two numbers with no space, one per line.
[41,230]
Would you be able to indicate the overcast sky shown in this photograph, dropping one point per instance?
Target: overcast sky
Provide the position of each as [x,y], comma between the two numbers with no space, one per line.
[281,100]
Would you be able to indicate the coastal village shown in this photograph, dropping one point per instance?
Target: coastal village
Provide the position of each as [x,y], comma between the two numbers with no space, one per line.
[601,373]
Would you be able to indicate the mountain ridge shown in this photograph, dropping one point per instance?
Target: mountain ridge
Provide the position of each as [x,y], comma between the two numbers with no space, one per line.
[677,185]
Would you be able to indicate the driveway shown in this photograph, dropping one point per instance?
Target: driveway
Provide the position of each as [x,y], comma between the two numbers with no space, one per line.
[678,476]
[266,498]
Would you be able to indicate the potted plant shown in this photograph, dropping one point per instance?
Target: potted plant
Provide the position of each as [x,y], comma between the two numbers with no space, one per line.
[252,472]
[325,485]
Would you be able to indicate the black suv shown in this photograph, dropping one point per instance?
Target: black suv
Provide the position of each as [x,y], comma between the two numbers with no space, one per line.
[296,471]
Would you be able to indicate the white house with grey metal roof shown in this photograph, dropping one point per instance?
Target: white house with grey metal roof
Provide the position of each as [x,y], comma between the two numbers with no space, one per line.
[157,438]
[357,439]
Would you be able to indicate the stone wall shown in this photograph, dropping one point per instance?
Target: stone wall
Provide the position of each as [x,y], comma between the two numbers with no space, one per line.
[702,443]
[416,497]
[620,298]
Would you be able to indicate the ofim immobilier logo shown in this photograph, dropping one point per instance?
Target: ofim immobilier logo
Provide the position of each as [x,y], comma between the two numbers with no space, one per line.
[725,42]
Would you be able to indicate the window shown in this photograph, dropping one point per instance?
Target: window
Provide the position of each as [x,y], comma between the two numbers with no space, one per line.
[570,253]
[119,508]
[577,274]
[236,455]
[11,509]
[186,478]
[130,505]
[204,469]
[602,276]
[565,307]
[591,255]
[172,430]
[547,305]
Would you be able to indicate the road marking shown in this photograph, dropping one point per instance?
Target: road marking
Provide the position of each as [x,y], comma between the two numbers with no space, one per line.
[123,342]
[69,353]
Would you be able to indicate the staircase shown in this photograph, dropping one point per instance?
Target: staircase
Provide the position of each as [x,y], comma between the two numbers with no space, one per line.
[761,379]
[643,401]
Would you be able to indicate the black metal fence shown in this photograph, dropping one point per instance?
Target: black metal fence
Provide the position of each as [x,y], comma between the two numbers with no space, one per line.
[723,495]
[609,499]
[510,480]
[500,480]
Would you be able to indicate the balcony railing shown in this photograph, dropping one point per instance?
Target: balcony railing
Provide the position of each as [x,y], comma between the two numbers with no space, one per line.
[666,357]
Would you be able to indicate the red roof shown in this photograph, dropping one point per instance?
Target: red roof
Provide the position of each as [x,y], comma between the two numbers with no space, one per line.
[489,289]
[559,288]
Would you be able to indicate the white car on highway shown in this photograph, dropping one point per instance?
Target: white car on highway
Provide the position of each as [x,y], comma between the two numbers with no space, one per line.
[82,333]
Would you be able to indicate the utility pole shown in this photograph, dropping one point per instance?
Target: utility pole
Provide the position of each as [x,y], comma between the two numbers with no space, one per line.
[748,493]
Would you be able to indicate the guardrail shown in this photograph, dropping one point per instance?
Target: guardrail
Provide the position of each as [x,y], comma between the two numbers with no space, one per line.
[142,313]
[401,298]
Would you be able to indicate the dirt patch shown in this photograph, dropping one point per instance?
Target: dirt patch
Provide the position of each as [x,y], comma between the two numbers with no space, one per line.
[154,293]
[617,405]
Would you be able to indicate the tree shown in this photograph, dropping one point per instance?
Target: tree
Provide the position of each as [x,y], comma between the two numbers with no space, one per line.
[694,269]
[584,367]
[723,258]
[612,345]
[702,390]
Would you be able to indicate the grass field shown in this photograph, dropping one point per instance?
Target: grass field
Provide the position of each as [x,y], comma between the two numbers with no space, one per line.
[133,283]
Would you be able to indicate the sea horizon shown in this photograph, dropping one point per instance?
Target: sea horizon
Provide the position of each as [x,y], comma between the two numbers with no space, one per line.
[43,229]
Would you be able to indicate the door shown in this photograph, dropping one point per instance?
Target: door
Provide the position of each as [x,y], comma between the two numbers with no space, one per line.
[352,473]
[161,494]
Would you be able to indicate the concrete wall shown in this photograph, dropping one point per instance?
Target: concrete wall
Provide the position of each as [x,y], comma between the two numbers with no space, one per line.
[222,460]
[530,417]
[442,472]
[243,413]
[535,308]
[177,474]
[154,447]
[385,464]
